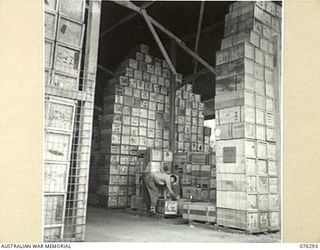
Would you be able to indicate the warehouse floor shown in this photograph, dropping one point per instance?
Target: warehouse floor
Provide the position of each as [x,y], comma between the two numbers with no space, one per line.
[122,226]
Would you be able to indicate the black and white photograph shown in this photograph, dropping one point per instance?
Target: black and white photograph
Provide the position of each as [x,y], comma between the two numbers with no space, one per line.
[162,121]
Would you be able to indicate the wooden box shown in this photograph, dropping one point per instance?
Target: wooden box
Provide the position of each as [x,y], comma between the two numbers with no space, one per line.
[138,203]
[248,221]
[54,209]
[64,81]
[237,200]
[52,234]
[167,207]
[70,32]
[50,23]
[55,177]
[67,59]
[199,211]
[72,9]
[57,147]
[48,56]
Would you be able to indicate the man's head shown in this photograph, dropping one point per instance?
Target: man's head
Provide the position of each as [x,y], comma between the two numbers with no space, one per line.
[173,179]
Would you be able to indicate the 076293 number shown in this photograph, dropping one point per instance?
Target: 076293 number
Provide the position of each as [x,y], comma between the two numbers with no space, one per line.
[304,245]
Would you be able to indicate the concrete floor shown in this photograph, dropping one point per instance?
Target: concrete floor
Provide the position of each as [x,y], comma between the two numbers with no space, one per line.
[122,226]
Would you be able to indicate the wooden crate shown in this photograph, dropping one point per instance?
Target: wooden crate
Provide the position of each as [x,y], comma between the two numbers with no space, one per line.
[167,207]
[67,59]
[55,177]
[58,146]
[248,221]
[63,80]
[138,203]
[52,234]
[237,200]
[50,23]
[60,114]
[54,206]
[70,32]
[72,9]
[48,56]
[50,5]
[199,211]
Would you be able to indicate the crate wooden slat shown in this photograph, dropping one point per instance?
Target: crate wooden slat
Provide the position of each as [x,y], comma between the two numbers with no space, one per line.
[199,211]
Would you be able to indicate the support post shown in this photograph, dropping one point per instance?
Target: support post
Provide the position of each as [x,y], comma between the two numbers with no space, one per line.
[173,114]
[173,52]
[85,126]
[196,46]
[278,110]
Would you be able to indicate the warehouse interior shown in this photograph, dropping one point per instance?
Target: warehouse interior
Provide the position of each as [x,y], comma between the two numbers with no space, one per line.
[140,94]
[115,42]
[121,29]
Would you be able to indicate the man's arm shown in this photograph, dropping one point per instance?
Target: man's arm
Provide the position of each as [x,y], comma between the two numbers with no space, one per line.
[168,184]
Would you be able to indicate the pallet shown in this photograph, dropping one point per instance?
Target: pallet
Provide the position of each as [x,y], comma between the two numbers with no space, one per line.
[242,231]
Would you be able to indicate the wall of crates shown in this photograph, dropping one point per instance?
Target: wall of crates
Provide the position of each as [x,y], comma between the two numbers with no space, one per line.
[247,170]
[135,117]
[135,112]
[69,99]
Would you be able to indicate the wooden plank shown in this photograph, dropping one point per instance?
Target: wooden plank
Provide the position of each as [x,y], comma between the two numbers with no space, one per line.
[278,114]
[156,37]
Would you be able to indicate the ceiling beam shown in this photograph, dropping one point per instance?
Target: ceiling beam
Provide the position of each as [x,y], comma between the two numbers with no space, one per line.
[108,71]
[183,46]
[130,5]
[126,19]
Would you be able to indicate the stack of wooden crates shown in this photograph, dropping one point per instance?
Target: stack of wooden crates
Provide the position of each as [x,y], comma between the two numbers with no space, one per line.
[190,122]
[68,111]
[247,175]
[135,117]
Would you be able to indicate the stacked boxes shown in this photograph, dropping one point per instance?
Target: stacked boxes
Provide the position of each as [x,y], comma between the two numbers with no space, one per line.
[136,107]
[190,134]
[247,181]
[64,30]
[196,177]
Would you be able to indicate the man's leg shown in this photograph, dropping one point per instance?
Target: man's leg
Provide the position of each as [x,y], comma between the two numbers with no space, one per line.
[153,192]
[146,194]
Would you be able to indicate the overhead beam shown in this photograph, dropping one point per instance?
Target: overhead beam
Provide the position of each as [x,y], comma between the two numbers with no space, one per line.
[108,71]
[190,36]
[196,46]
[156,37]
[131,6]
[193,76]
[183,46]
[126,19]
[128,4]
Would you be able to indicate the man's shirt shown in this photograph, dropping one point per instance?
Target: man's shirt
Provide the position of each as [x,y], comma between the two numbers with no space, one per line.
[162,179]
